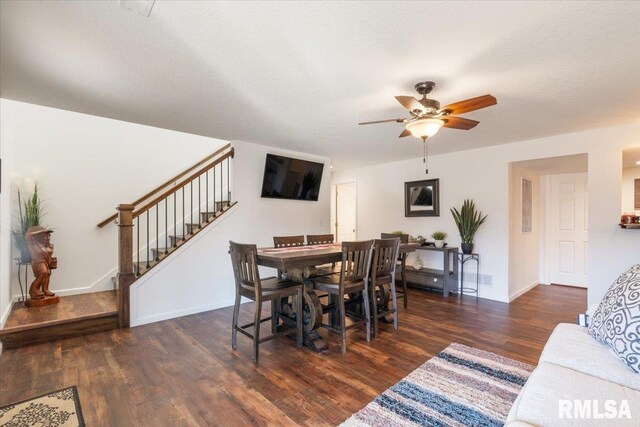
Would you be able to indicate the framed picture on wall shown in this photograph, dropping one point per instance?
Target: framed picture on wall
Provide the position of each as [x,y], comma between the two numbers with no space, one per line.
[422,198]
[527,206]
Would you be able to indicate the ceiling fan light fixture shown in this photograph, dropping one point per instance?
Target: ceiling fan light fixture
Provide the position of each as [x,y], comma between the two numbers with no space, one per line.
[424,128]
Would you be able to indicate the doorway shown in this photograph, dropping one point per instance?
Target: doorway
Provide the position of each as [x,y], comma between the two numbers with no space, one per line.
[548,223]
[345,212]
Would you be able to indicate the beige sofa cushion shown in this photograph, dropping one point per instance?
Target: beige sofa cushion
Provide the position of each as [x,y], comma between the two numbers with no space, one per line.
[539,401]
[571,346]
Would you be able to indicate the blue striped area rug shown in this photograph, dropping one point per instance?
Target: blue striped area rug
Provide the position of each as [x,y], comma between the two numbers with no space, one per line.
[461,386]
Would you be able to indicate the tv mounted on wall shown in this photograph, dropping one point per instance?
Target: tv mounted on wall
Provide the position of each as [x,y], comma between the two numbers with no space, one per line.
[287,178]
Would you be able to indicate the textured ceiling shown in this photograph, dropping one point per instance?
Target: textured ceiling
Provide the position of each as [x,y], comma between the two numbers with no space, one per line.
[300,75]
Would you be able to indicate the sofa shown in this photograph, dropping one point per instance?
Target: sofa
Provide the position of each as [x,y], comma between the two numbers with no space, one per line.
[580,374]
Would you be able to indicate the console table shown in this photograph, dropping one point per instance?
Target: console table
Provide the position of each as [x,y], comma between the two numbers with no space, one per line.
[436,279]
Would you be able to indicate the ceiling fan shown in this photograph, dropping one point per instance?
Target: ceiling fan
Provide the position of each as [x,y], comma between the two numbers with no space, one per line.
[427,117]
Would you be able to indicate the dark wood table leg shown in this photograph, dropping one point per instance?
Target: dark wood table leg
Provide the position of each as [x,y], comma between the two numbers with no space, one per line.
[445,268]
[458,276]
[403,275]
[313,319]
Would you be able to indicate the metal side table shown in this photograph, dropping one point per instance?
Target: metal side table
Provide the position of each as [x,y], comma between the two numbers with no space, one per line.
[24,292]
[463,260]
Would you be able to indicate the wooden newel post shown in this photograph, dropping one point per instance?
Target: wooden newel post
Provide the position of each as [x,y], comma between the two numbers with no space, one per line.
[126,275]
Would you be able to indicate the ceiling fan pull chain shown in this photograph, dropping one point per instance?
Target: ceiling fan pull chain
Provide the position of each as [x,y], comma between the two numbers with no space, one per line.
[426,156]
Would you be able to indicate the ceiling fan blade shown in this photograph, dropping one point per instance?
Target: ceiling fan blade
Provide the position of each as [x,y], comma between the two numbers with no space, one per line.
[467,105]
[404,133]
[410,103]
[455,122]
[383,121]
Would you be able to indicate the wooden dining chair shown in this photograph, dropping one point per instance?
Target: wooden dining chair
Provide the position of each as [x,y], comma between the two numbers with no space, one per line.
[402,261]
[353,278]
[319,239]
[283,242]
[383,274]
[251,286]
[323,239]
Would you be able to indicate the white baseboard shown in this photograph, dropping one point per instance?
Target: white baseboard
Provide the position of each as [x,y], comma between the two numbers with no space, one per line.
[104,283]
[523,291]
[179,313]
[4,316]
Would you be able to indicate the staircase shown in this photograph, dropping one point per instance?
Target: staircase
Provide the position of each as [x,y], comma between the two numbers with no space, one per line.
[150,230]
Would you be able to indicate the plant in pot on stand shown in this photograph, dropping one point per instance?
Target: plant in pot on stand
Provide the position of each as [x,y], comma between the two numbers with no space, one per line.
[468,221]
[29,215]
[439,237]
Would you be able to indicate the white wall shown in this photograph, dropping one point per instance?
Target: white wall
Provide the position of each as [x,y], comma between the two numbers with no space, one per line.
[524,248]
[85,166]
[199,276]
[483,175]
[5,212]
[629,175]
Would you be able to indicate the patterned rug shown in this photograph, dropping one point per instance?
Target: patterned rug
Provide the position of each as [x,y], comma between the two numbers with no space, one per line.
[461,386]
[57,409]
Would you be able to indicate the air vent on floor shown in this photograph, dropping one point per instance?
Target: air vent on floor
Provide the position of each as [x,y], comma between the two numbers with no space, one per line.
[140,7]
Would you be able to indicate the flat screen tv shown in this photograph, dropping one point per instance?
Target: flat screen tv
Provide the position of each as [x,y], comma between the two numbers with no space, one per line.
[287,178]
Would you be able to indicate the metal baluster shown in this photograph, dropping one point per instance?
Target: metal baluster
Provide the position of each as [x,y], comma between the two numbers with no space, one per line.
[228,185]
[148,237]
[157,232]
[191,212]
[175,224]
[166,228]
[138,246]
[213,185]
[206,193]
[221,187]
[199,204]
[184,218]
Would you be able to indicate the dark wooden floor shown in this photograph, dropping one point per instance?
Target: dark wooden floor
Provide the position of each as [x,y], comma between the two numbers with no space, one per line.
[183,371]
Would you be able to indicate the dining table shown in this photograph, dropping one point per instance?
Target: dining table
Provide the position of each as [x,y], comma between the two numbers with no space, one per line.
[303,259]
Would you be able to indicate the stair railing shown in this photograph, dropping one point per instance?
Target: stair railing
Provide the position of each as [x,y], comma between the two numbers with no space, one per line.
[172,181]
[150,232]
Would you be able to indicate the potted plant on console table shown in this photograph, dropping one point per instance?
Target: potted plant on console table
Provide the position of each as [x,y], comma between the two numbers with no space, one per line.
[468,221]
[439,237]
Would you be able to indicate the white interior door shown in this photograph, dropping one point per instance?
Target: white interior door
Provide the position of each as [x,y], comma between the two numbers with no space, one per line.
[345,225]
[568,232]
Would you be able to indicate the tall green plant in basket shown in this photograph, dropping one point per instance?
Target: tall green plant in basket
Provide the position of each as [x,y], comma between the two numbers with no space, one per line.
[30,214]
[468,221]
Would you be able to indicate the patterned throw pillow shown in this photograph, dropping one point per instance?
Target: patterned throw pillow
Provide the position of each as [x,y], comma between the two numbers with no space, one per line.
[616,321]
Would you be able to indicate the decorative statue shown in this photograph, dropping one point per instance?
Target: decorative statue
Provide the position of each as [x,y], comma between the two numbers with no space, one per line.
[42,262]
